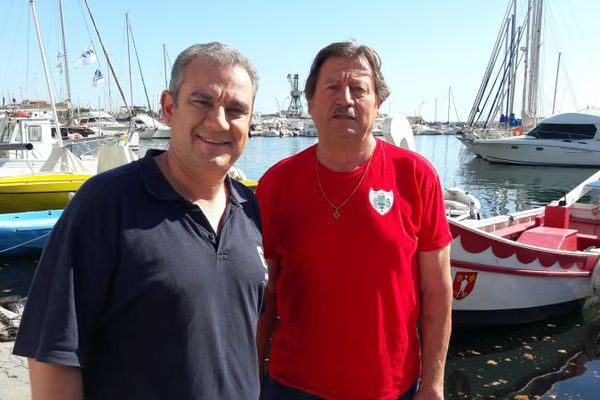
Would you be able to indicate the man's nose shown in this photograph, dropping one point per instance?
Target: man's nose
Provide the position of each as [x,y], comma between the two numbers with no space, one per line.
[345,95]
[217,119]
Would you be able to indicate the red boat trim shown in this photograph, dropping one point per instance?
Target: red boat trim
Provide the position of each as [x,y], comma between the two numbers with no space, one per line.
[518,271]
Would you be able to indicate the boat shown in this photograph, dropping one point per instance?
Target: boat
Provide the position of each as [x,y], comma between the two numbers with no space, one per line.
[26,233]
[27,143]
[516,52]
[529,265]
[102,123]
[150,128]
[461,205]
[38,191]
[570,139]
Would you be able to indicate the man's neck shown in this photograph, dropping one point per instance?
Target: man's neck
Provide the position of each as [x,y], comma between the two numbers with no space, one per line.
[346,156]
[192,185]
[206,191]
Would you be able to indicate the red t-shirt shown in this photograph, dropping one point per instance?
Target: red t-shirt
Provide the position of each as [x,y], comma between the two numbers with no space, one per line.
[347,291]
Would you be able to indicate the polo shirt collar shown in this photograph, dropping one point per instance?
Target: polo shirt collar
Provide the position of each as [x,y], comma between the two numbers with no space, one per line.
[158,186]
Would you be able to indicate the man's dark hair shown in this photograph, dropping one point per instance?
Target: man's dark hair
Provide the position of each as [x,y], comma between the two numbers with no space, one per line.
[347,50]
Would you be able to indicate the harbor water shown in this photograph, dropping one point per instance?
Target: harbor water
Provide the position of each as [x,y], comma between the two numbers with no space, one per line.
[554,359]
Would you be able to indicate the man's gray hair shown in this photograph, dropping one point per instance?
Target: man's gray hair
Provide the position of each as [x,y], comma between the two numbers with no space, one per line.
[215,53]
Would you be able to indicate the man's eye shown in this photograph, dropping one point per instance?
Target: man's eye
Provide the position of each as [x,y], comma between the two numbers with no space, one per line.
[201,103]
[358,89]
[236,111]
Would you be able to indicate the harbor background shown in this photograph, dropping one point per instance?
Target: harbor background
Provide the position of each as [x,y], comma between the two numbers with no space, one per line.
[554,359]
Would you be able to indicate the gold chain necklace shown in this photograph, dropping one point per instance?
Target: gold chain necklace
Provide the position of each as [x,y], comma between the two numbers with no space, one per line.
[336,209]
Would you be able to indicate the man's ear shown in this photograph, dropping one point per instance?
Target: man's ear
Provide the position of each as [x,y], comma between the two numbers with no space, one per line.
[309,103]
[167,105]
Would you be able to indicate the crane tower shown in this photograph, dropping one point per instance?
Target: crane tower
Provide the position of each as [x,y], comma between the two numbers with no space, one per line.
[295,108]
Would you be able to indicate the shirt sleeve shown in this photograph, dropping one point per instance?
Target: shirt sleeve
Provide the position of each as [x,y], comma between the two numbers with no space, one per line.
[435,232]
[69,288]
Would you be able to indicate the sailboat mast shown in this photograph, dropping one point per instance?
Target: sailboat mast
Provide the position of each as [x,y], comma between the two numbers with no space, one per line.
[129,59]
[536,28]
[46,72]
[524,106]
[513,62]
[107,58]
[65,61]
[556,82]
[165,65]
[449,90]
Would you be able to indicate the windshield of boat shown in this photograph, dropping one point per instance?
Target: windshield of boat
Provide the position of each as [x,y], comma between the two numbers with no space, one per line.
[564,131]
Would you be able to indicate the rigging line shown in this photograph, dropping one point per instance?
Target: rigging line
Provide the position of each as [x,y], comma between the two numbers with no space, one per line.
[84,18]
[139,67]
[9,60]
[24,243]
[5,25]
[489,68]
[581,40]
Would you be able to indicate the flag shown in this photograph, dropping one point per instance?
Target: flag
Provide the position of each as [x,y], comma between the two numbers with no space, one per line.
[98,78]
[87,57]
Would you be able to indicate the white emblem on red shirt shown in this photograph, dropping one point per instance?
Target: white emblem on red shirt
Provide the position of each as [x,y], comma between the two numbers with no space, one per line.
[381,200]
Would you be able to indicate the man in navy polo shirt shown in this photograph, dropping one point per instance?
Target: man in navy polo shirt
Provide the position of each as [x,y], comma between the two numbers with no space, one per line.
[152,281]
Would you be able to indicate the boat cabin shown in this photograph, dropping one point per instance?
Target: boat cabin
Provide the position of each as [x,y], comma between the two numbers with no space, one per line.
[26,138]
[568,127]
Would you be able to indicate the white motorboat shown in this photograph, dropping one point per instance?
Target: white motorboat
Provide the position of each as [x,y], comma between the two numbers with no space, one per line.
[150,128]
[102,123]
[571,139]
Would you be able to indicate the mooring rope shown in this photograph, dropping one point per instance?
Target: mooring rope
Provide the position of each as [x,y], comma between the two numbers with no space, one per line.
[24,243]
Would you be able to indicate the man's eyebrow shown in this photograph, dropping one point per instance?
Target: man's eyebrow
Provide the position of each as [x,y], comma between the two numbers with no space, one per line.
[201,95]
[236,103]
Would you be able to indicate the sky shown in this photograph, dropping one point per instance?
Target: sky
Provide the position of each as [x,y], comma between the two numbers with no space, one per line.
[426,47]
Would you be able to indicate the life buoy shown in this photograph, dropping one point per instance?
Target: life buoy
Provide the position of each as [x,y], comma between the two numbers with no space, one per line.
[517,131]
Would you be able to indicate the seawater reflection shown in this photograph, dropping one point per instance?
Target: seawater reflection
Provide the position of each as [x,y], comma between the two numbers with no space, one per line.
[492,363]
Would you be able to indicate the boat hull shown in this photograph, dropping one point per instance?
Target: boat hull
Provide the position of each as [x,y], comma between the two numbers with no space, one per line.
[500,281]
[524,151]
[38,192]
[25,234]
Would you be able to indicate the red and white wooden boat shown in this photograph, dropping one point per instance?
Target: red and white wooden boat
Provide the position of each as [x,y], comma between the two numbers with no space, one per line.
[526,266]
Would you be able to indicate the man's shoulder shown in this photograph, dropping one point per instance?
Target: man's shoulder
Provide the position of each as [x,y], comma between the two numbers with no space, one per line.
[291,163]
[404,158]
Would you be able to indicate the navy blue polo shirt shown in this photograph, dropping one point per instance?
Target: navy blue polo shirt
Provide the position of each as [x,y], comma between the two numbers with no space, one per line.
[136,289]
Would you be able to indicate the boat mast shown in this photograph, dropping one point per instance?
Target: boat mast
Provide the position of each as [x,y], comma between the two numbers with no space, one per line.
[524,106]
[107,58]
[129,59]
[46,72]
[65,62]
[165,65]
[449,89]
[513,62]
[535,59]
[556,82]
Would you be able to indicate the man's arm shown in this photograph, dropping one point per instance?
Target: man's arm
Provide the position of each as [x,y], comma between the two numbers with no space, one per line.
[54,382]
[268,318]
[436,320]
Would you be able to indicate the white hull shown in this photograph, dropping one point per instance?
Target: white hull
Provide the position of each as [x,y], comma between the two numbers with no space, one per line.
[529,151]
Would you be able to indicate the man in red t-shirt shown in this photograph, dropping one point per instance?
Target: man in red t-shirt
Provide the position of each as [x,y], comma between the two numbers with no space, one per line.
[357,243]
